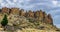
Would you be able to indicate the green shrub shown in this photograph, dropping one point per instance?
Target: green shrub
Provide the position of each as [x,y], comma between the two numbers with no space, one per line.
[4,21]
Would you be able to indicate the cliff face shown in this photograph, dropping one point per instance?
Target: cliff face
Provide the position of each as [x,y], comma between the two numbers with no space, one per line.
[14,11]
[5,10]
[19,19]
[38,14]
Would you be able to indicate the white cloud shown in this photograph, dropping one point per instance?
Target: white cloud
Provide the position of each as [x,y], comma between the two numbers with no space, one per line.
[21,1]
[15,0]
[1,1]
[57,25]
[28,7]
[57,16]
[28,0]
[53,12]
[9,2]
[2,4]
[56,19]
[55,2]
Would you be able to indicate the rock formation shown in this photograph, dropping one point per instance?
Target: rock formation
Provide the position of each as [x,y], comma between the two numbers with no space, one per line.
[18,19]
[41,15]
[5,10]
[15,11]
[22,13]
[50,19]
[30,14]
[36,14]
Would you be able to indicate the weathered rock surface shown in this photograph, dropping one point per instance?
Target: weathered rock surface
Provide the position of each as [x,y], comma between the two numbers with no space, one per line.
[18,20]
[20,23]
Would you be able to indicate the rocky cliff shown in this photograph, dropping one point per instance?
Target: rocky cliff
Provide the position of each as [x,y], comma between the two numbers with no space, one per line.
[19,19]
[40,15]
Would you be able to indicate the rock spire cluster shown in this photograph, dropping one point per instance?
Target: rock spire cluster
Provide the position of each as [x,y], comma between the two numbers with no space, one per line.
[41,15]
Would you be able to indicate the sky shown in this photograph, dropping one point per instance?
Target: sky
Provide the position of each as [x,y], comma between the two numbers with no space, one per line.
[49,6]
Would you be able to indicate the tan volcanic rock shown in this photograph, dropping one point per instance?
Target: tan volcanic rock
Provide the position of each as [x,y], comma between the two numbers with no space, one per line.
[36,14]
[17,21]
[50,20]
[5,10]
[22,13]
[44,15]
[40,14]
[30,14]
[15,11]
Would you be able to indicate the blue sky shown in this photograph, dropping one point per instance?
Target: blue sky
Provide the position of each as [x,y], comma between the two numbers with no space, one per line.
[49,6]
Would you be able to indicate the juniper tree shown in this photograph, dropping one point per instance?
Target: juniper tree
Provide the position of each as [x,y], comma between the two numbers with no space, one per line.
[4,21]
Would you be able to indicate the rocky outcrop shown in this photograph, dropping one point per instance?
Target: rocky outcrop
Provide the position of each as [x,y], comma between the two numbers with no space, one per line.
[22,13]
[19,20]
[40,15]
[15,11]
[5,10]
[30,14]
[36,14]
[16,22]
